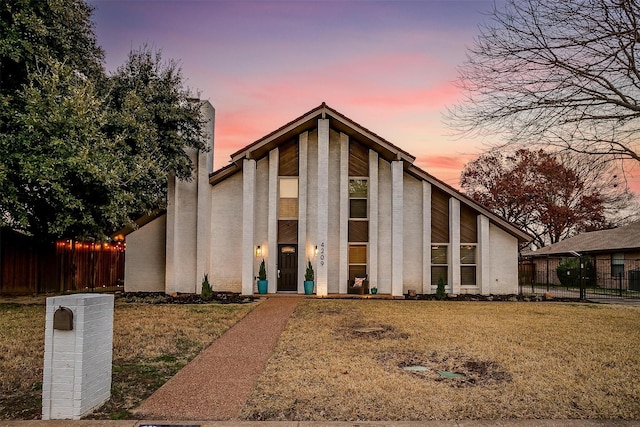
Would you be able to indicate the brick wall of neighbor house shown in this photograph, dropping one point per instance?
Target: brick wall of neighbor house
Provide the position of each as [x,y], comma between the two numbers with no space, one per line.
[503,248]
[384,227]
[545,269]
[146,257]
[412,230]
[541,265]
[604,278]
[226,235]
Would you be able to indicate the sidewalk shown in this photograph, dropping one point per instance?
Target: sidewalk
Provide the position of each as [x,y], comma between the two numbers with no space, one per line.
[461,423]
[217,383]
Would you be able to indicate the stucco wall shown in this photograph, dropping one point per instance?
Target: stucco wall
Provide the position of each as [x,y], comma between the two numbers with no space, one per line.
[412,234]
[145,258]
[182,210]
[504,262]
[334,213]
[261,236]
[226,235]
[384,227]
[312,193]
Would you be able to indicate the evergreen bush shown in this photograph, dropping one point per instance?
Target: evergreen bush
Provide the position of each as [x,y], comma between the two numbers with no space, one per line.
[262,274]
[309,275]
[206,293]
[441,292]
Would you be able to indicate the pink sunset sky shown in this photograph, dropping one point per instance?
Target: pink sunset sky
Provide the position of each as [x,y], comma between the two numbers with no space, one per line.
[388,65]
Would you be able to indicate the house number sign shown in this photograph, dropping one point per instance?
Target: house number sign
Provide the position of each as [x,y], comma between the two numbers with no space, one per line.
[322,254]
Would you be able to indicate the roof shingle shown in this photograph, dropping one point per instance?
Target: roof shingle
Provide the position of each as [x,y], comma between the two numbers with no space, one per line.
[626,237]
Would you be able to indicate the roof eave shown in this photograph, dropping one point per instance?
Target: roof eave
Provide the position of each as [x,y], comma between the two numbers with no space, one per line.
[308,121]
[522,236]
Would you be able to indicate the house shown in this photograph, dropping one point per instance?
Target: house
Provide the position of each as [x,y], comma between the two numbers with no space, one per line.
[614,255]
[324,189]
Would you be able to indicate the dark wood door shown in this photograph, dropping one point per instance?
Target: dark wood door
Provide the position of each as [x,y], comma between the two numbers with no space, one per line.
[287,268]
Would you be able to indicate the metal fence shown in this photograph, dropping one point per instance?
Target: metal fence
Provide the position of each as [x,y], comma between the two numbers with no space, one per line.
[580,277]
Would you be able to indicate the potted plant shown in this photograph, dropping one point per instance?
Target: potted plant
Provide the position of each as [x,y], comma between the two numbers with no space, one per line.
[263,283]
[374,290]
[308,279]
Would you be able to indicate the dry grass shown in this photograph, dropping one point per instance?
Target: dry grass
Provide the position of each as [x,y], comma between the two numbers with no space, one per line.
[21,359]
[520,360]
[151,343]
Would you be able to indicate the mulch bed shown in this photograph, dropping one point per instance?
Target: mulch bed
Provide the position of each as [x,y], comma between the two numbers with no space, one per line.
[507,297]
[178,298]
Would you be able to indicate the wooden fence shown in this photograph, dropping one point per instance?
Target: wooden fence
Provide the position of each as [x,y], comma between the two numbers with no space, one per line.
[31,267]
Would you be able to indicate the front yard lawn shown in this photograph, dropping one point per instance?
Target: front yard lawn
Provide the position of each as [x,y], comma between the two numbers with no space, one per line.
[345,360]
[151,343]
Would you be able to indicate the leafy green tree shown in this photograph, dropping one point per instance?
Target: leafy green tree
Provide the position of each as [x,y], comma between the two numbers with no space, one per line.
[83,153]
[60,173]
[152,118]
[35,31]
[48,114]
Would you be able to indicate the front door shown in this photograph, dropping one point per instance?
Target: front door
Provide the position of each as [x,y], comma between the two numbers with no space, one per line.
[287,268]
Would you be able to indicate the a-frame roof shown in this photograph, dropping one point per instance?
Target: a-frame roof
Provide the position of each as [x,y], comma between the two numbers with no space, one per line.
[384,148]
[308,121]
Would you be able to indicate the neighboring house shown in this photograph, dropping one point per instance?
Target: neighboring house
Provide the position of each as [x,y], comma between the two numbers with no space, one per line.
[325,189]
[614,253]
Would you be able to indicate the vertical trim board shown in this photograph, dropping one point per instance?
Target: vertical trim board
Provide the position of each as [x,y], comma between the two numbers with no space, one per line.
[303,254]
[373,218]
[323,207]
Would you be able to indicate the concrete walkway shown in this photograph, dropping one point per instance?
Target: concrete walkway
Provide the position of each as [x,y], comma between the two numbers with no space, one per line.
[217,383]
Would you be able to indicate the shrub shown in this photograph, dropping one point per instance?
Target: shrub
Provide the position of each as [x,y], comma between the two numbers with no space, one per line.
[262,274]
[309,275]
[206,293]
[568,272]
[441,292]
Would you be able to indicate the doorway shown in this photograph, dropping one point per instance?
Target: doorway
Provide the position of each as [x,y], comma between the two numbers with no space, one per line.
[287,268]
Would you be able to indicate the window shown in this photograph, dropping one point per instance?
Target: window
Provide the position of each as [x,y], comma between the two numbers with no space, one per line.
[358,236]
[288,207]
[358,194]
[617,265]
[357,261]
[468,265]
[439,263]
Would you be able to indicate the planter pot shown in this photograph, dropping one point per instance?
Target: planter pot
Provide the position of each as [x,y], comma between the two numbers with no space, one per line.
[263,285]
[308,287]
[374,291]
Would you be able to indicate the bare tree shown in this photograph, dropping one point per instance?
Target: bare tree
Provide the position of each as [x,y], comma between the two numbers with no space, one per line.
[561,74]
[621,206]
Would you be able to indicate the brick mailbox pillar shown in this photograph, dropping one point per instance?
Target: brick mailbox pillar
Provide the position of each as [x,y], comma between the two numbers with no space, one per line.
[78,349]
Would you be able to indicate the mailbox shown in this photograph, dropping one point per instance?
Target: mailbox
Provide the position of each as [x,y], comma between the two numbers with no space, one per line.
[63,319]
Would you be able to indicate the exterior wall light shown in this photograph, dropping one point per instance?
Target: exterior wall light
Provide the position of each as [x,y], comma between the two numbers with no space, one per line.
[315,252]
[258,251]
